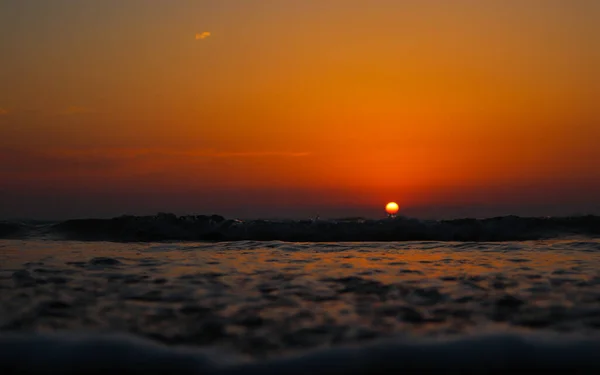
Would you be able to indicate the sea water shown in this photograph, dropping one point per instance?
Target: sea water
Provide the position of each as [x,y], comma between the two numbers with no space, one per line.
[274,306]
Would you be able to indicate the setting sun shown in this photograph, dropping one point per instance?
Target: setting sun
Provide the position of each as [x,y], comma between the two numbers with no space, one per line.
[392,208]
[453,107]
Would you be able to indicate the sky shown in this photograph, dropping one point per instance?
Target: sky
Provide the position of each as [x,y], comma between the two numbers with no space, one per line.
[269,108]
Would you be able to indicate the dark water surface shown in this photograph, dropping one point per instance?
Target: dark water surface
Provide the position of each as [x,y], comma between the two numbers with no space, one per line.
[262,300]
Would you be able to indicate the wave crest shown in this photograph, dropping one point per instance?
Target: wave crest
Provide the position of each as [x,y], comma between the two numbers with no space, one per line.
[165,227]
[485,354]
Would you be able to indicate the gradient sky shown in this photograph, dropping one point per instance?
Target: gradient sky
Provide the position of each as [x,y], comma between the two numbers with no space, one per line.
[292,108]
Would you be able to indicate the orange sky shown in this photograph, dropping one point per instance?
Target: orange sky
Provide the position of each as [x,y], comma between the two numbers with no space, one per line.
[292,108]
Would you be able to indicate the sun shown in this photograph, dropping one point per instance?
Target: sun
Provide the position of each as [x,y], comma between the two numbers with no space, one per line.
[392,208]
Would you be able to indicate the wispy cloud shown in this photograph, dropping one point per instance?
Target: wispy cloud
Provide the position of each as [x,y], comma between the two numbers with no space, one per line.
[203,35]
[257,154]
[122,153]
[120,160]
[76,110]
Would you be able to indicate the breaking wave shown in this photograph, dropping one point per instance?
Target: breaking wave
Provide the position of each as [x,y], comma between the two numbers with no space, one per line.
[38,354]
[169,227]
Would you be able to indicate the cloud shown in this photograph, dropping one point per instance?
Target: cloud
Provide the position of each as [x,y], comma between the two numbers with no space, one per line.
[203,35]
[76,110]
[23,161]
[66,159]
[257,154]
[136,153]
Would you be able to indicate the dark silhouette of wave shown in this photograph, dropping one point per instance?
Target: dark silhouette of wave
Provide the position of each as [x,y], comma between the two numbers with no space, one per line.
[169,227]
[12,230]
[39,354]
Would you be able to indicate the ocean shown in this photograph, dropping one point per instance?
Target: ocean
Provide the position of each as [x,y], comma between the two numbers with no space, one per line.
[299,307]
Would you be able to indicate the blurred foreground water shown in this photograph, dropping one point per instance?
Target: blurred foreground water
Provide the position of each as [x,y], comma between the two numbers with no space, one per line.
[269,300]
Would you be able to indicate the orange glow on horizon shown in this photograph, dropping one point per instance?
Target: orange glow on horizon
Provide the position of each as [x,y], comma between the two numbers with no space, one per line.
[466,102]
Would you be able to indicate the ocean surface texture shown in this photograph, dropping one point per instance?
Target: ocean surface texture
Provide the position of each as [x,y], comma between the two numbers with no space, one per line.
[298,308]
